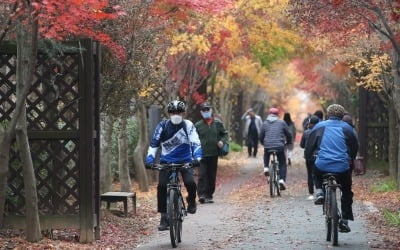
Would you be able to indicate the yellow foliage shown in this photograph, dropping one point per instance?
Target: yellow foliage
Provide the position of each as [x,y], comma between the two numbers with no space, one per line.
[190,43]
[371,71]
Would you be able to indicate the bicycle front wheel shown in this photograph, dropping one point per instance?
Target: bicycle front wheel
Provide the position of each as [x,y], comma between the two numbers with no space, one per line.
[173,216]
[334,216]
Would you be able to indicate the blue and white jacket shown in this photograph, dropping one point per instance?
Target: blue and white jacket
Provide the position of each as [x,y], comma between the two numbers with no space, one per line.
[334,143]
[179,143]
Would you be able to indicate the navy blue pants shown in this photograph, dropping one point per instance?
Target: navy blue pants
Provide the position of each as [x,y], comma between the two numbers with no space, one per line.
[163,179]
[345,180]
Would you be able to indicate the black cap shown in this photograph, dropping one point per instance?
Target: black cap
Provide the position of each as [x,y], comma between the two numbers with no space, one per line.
[314,119]
[205,105]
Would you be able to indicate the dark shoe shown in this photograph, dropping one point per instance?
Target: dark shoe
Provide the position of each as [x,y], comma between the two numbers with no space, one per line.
[344,227]
[208,200]
[192,207]
[319,199]
[164,223]
[202,200]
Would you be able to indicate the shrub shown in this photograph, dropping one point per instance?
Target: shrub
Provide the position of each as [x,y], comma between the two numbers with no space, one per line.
[234,147]
[385,186]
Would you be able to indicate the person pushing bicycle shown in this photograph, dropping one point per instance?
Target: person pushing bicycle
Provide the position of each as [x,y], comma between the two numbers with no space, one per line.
[179,143]
[335,145]
[275,134]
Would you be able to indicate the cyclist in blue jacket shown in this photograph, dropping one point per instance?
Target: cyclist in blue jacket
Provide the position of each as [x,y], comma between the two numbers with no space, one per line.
[335,145]
[179,143]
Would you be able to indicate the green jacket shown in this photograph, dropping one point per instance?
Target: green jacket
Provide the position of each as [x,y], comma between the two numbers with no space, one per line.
[210,135]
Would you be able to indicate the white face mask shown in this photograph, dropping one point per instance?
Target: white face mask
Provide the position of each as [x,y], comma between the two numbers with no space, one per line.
[176,119]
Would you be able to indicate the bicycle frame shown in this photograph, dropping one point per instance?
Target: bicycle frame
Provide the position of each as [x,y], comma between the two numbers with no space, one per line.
[274,175]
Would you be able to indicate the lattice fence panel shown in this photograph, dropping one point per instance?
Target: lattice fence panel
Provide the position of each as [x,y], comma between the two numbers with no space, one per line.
[52,107]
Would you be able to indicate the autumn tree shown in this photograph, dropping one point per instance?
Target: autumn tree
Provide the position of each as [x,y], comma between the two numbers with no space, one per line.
[344,21]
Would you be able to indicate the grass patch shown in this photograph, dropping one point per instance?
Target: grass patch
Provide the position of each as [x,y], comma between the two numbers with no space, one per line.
[393,218]
[385,186]
[235,147]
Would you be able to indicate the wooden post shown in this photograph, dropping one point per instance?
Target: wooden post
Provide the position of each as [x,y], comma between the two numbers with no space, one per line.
[86,149]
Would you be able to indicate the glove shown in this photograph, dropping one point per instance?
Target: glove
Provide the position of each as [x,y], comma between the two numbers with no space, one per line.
[148,165]
[196,162]
[149,162]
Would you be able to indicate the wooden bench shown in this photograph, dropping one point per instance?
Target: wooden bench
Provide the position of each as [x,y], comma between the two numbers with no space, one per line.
[120,196]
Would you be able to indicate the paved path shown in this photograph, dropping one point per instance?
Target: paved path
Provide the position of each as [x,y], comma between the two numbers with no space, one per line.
[259,222]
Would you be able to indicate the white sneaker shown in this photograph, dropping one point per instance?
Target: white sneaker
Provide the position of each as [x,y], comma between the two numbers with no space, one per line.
[310,198]
[282,184]
[266,171]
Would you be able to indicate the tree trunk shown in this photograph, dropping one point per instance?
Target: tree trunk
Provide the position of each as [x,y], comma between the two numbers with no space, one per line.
[5,141]
[105,163]
[141,148]
[26,65]
[396,101]
[124,178]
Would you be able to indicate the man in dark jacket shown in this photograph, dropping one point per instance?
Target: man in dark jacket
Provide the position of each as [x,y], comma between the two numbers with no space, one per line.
[275,135]
[309,162]
[335,145]
[212,137]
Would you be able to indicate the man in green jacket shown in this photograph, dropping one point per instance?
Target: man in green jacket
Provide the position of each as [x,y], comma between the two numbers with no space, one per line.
[212,136]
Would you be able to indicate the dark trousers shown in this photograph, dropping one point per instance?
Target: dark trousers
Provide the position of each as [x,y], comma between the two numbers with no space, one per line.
[163,180]
[252,145]
[280,154]
[310,178]
[207,176]
[345,180]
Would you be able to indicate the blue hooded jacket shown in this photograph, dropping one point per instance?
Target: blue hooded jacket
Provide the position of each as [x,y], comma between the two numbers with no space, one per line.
[334,143]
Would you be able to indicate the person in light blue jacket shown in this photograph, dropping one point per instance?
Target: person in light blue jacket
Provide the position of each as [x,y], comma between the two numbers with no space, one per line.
[179,143]
[334,144]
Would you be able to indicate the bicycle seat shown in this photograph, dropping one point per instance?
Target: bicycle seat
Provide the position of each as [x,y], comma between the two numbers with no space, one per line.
[272,151]
[327,175]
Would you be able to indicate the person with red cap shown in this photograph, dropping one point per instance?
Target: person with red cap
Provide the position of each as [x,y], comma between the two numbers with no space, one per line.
[275,135]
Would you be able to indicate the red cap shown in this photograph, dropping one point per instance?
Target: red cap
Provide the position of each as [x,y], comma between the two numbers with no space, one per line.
[274,111]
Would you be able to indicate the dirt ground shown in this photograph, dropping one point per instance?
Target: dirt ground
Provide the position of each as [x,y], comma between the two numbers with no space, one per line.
[242,217]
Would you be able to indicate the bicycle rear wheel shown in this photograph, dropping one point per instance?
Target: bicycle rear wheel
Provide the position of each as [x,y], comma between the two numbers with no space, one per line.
[328,218]
[173,216]
[272,185]
[277,177]
[335,216]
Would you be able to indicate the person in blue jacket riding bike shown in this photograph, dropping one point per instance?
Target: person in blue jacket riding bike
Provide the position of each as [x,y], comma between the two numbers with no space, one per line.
[334,144]
[179,143]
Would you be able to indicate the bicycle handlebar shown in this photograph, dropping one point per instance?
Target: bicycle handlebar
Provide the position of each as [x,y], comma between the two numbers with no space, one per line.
[169,166]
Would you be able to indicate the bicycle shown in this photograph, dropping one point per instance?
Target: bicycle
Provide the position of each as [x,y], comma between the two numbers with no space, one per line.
[274,175]
[330,207]
[176,208]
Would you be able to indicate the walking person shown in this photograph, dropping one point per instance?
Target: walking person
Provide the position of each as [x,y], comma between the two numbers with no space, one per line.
[212,135]
[274,135]
[292,129]
[335,145]
[179,143]
[252,128]
[309,162]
